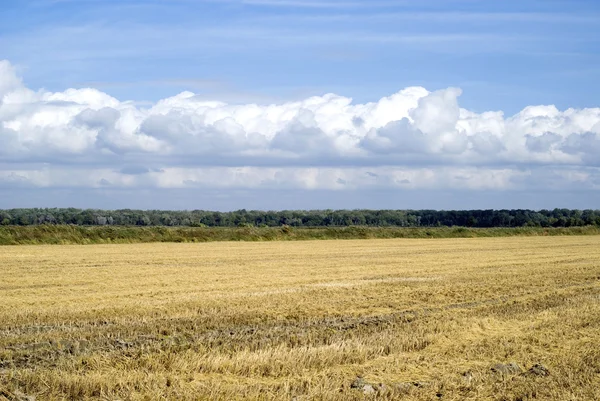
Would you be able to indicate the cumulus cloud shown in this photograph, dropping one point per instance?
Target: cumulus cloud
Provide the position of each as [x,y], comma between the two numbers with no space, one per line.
[396,137]
[586,144]
[8,78]
[413,138]
[542,143]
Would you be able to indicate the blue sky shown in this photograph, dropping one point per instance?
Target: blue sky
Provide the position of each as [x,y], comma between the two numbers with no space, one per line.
[506,57]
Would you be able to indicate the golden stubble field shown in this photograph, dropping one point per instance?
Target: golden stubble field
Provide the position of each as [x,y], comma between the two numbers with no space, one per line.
[365,319]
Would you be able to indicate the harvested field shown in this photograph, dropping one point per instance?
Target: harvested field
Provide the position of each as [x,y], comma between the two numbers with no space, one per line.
[417,319]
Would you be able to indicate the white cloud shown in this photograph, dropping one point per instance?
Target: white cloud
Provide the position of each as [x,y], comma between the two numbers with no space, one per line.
[307,178]
[8,78]
[411,139]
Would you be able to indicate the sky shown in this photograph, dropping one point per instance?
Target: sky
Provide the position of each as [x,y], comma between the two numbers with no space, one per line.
[300,104]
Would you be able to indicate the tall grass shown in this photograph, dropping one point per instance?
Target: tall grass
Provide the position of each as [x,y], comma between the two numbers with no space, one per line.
[67,234]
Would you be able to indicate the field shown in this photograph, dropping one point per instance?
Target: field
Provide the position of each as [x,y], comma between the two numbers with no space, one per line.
[414,319]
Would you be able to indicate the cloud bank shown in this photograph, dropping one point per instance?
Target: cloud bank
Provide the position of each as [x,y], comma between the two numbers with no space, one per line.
[412,139]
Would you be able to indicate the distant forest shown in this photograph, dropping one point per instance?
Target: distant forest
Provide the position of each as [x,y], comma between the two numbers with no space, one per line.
[303,218]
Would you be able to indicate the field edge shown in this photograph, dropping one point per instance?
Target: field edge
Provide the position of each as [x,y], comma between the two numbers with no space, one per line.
[80,235]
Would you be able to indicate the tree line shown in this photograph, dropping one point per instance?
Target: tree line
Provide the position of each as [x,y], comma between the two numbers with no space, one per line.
[303,218]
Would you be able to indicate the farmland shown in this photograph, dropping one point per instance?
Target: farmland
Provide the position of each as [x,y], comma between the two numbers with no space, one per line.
[511,318]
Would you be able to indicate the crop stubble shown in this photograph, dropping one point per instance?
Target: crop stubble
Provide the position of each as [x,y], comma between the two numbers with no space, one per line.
[416,319]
